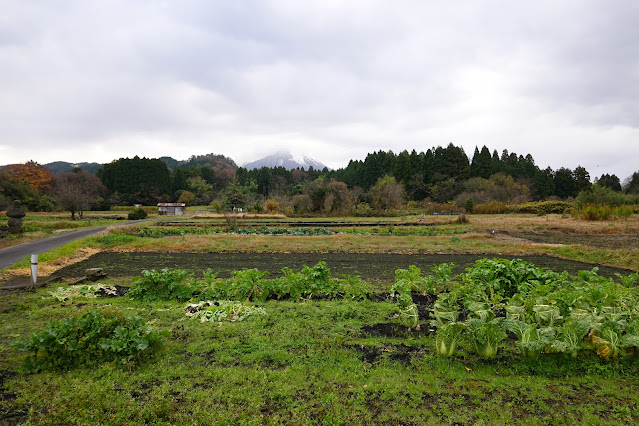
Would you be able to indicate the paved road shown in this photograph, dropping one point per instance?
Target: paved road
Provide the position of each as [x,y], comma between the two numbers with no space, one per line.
[12,255]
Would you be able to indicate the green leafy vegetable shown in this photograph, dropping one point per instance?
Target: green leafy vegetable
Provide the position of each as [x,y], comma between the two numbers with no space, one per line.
[447,337]
[484,337]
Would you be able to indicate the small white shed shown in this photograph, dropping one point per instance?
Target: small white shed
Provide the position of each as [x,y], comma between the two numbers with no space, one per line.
[172,209]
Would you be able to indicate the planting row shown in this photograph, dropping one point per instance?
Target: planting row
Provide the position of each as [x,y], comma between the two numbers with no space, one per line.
[390,230]
[547,312]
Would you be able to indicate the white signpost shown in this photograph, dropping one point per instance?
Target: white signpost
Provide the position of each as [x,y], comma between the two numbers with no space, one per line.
[34,268]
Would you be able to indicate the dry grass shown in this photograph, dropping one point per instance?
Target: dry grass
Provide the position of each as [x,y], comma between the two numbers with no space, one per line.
[48,268]
[552,224]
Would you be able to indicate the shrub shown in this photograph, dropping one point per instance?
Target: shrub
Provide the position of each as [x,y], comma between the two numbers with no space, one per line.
[363,210]
[462,219]
[88,340]
[597,213]
[439,208]
[137,214]
[492,207]
[163,285]
[468,205]
[593,212]
[217,206]
[544,207]
[271,206]
[623,212]
[600,195]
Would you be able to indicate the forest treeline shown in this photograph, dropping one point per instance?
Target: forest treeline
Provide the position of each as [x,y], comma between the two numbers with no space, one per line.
[383,181]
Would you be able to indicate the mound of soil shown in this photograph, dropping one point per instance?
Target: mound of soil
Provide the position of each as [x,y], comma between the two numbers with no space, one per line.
[389,329]
[400,353]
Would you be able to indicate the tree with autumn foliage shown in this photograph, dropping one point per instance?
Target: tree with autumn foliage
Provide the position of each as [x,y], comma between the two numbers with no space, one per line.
[31,174]
[30,183]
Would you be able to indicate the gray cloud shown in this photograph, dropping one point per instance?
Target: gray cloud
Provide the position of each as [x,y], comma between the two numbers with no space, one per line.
[94,81]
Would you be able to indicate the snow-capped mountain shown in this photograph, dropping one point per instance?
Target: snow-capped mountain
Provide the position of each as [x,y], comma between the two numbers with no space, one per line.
[285,159]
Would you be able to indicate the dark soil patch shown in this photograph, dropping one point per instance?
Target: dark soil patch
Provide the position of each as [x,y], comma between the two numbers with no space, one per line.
[424,299]
[380,297]
[400,353]
[389,329]
[10,417]
[599,241]
[4,375]
[378,266]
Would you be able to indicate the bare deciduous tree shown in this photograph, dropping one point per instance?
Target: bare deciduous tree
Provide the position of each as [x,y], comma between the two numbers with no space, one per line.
[76,190]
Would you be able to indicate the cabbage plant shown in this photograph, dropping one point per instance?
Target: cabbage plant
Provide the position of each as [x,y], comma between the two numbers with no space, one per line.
[570,337]
[480,310]
[484,337]
[447,337]
[531,340]
[515,308]
[546,313]
[408,312]
[445,309]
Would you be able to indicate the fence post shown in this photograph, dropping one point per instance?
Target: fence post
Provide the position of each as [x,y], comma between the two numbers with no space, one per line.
[34,268]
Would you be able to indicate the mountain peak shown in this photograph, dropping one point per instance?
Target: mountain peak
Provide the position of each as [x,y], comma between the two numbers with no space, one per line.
[285,159]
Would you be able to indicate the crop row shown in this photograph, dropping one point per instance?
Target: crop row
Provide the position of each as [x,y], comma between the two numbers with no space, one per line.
[547,312]
[247,284]
[164,232]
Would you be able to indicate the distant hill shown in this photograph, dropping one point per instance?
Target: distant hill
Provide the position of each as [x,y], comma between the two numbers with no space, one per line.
[62,166]
[215,161]
[287,160]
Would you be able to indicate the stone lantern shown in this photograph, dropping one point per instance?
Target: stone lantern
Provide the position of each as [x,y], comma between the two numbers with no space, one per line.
[15,218]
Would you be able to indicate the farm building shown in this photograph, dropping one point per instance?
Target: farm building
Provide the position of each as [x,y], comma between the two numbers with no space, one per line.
[171,208]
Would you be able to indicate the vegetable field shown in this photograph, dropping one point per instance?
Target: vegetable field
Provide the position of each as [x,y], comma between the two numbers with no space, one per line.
[503,342]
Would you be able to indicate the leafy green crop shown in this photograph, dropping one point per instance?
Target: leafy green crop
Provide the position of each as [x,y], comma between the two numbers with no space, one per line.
[226,310]
[251,284]
[166,284]
[88,340]
[531,340]
[484,337]
[405,282]
[571,336]
[447,337]
[445,309]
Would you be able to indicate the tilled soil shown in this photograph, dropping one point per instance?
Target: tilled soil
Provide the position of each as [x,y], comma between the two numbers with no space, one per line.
[373,267]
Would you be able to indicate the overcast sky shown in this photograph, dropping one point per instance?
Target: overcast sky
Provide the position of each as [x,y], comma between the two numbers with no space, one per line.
[91,80]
